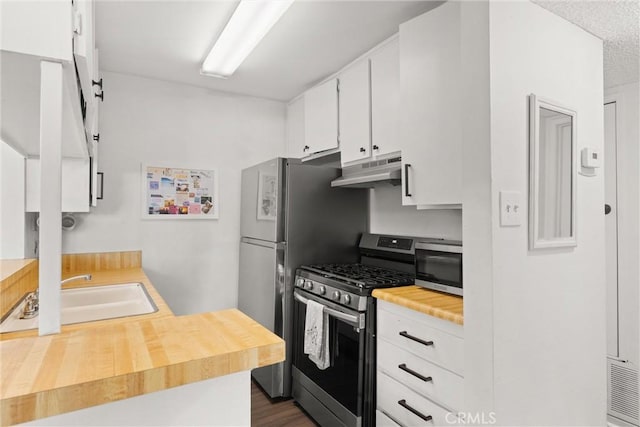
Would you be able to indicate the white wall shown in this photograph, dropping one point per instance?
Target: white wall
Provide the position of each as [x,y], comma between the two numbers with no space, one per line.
[193,264]
[548,305]
[628,197]
[388,216]
[12,203]
[478,205]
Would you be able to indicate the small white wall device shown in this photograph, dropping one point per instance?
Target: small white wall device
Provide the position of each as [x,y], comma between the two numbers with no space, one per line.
[591,158]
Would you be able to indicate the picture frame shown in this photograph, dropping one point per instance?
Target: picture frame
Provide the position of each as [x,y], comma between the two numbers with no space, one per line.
[169,192]
[267,197]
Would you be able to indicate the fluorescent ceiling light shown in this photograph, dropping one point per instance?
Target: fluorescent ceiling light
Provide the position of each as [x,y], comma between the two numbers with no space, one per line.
[250,22]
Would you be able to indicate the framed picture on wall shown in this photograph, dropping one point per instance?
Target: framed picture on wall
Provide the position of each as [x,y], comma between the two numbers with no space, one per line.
[179,193]
[267,197]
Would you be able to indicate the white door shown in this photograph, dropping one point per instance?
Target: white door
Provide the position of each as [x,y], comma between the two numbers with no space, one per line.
[385,99]
[611,226]
[430,105]
[295,129]
[321,117]
[355,113]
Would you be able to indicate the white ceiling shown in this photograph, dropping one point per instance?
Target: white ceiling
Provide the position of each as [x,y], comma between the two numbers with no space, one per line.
[168,40]
[617,22]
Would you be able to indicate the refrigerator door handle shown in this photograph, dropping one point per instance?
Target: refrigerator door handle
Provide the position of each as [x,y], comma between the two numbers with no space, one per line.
[263,243]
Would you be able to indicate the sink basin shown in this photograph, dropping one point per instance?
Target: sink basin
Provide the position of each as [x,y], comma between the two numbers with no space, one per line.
[87,304]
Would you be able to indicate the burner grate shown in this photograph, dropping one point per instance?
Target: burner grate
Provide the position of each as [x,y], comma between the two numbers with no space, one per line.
[365,276]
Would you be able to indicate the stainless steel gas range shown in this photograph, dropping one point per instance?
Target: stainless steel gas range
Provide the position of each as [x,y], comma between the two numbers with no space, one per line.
[344,393]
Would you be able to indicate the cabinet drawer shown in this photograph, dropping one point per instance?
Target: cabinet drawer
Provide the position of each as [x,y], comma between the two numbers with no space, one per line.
[429,343]
[439,385]
[382,420]
[392,396]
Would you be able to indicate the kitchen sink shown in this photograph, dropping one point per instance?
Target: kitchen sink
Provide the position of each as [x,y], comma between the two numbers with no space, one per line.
[88,304]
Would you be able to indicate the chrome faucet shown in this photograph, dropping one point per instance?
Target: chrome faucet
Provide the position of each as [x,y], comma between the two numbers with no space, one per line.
[70,279]
[32,302]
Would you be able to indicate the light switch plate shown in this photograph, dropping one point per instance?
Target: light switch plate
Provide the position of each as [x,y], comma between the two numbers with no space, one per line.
[511,209]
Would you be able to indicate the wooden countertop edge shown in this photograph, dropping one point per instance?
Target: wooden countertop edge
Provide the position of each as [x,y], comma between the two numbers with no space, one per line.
[28,407]
[426,303]
[9,267]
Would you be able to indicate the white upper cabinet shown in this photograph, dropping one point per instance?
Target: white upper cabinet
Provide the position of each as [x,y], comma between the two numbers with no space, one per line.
[93,132]
[385,98]
[321,117]
[40,28]
[84,43]
[75,185]
[295,129]
[369,102]
[355,113]
[46,30]
[430,108]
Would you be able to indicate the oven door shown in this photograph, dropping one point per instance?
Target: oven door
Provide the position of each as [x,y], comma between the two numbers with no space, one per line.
[341,385]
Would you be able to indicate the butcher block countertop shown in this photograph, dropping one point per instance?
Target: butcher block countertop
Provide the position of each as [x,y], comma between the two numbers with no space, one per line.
[433,303]
[98,362]
[9,267]
[99,278]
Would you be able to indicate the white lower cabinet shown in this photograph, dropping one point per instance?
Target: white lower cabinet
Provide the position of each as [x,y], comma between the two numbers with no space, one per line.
[410,330]
[419,368]
[383,420]
[409,408]
[432,381]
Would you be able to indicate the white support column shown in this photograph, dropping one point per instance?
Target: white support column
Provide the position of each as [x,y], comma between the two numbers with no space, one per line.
[51,89]
[12,202]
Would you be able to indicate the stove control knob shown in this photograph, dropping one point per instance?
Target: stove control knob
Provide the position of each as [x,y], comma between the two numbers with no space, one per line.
[346,299]
[323,290]
[308,284]
[335,295]
[300,282]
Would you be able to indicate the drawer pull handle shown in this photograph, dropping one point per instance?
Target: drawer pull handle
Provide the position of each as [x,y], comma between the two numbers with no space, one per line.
[404,404]
[416,339]
[403,366]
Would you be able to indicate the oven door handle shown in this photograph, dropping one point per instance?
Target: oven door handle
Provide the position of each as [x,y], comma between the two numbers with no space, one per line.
[354,320]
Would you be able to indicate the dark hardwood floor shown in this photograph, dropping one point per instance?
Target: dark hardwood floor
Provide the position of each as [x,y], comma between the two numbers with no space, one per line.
[276,413]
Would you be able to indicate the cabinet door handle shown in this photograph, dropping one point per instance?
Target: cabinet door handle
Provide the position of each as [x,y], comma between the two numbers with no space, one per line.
[97,83]
[607,209]
[416,339]
[375,147]
[99,95]
[362,150]
[414,411]
[101,185]
[96,138]
[406,180]
[403,366]
[306,147]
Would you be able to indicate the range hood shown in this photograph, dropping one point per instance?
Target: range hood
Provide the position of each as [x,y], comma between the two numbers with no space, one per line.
[371,174]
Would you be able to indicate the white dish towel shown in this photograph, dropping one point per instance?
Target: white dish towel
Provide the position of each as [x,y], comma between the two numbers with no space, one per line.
[316,335]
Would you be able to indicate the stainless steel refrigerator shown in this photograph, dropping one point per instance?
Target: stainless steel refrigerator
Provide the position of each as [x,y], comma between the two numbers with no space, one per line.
[290,216]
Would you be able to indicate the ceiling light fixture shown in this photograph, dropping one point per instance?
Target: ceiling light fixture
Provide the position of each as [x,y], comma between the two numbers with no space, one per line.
[250,22]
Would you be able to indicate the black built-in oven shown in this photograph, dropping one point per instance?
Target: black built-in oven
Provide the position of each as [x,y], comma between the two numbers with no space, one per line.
[342,390]
[439,265]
